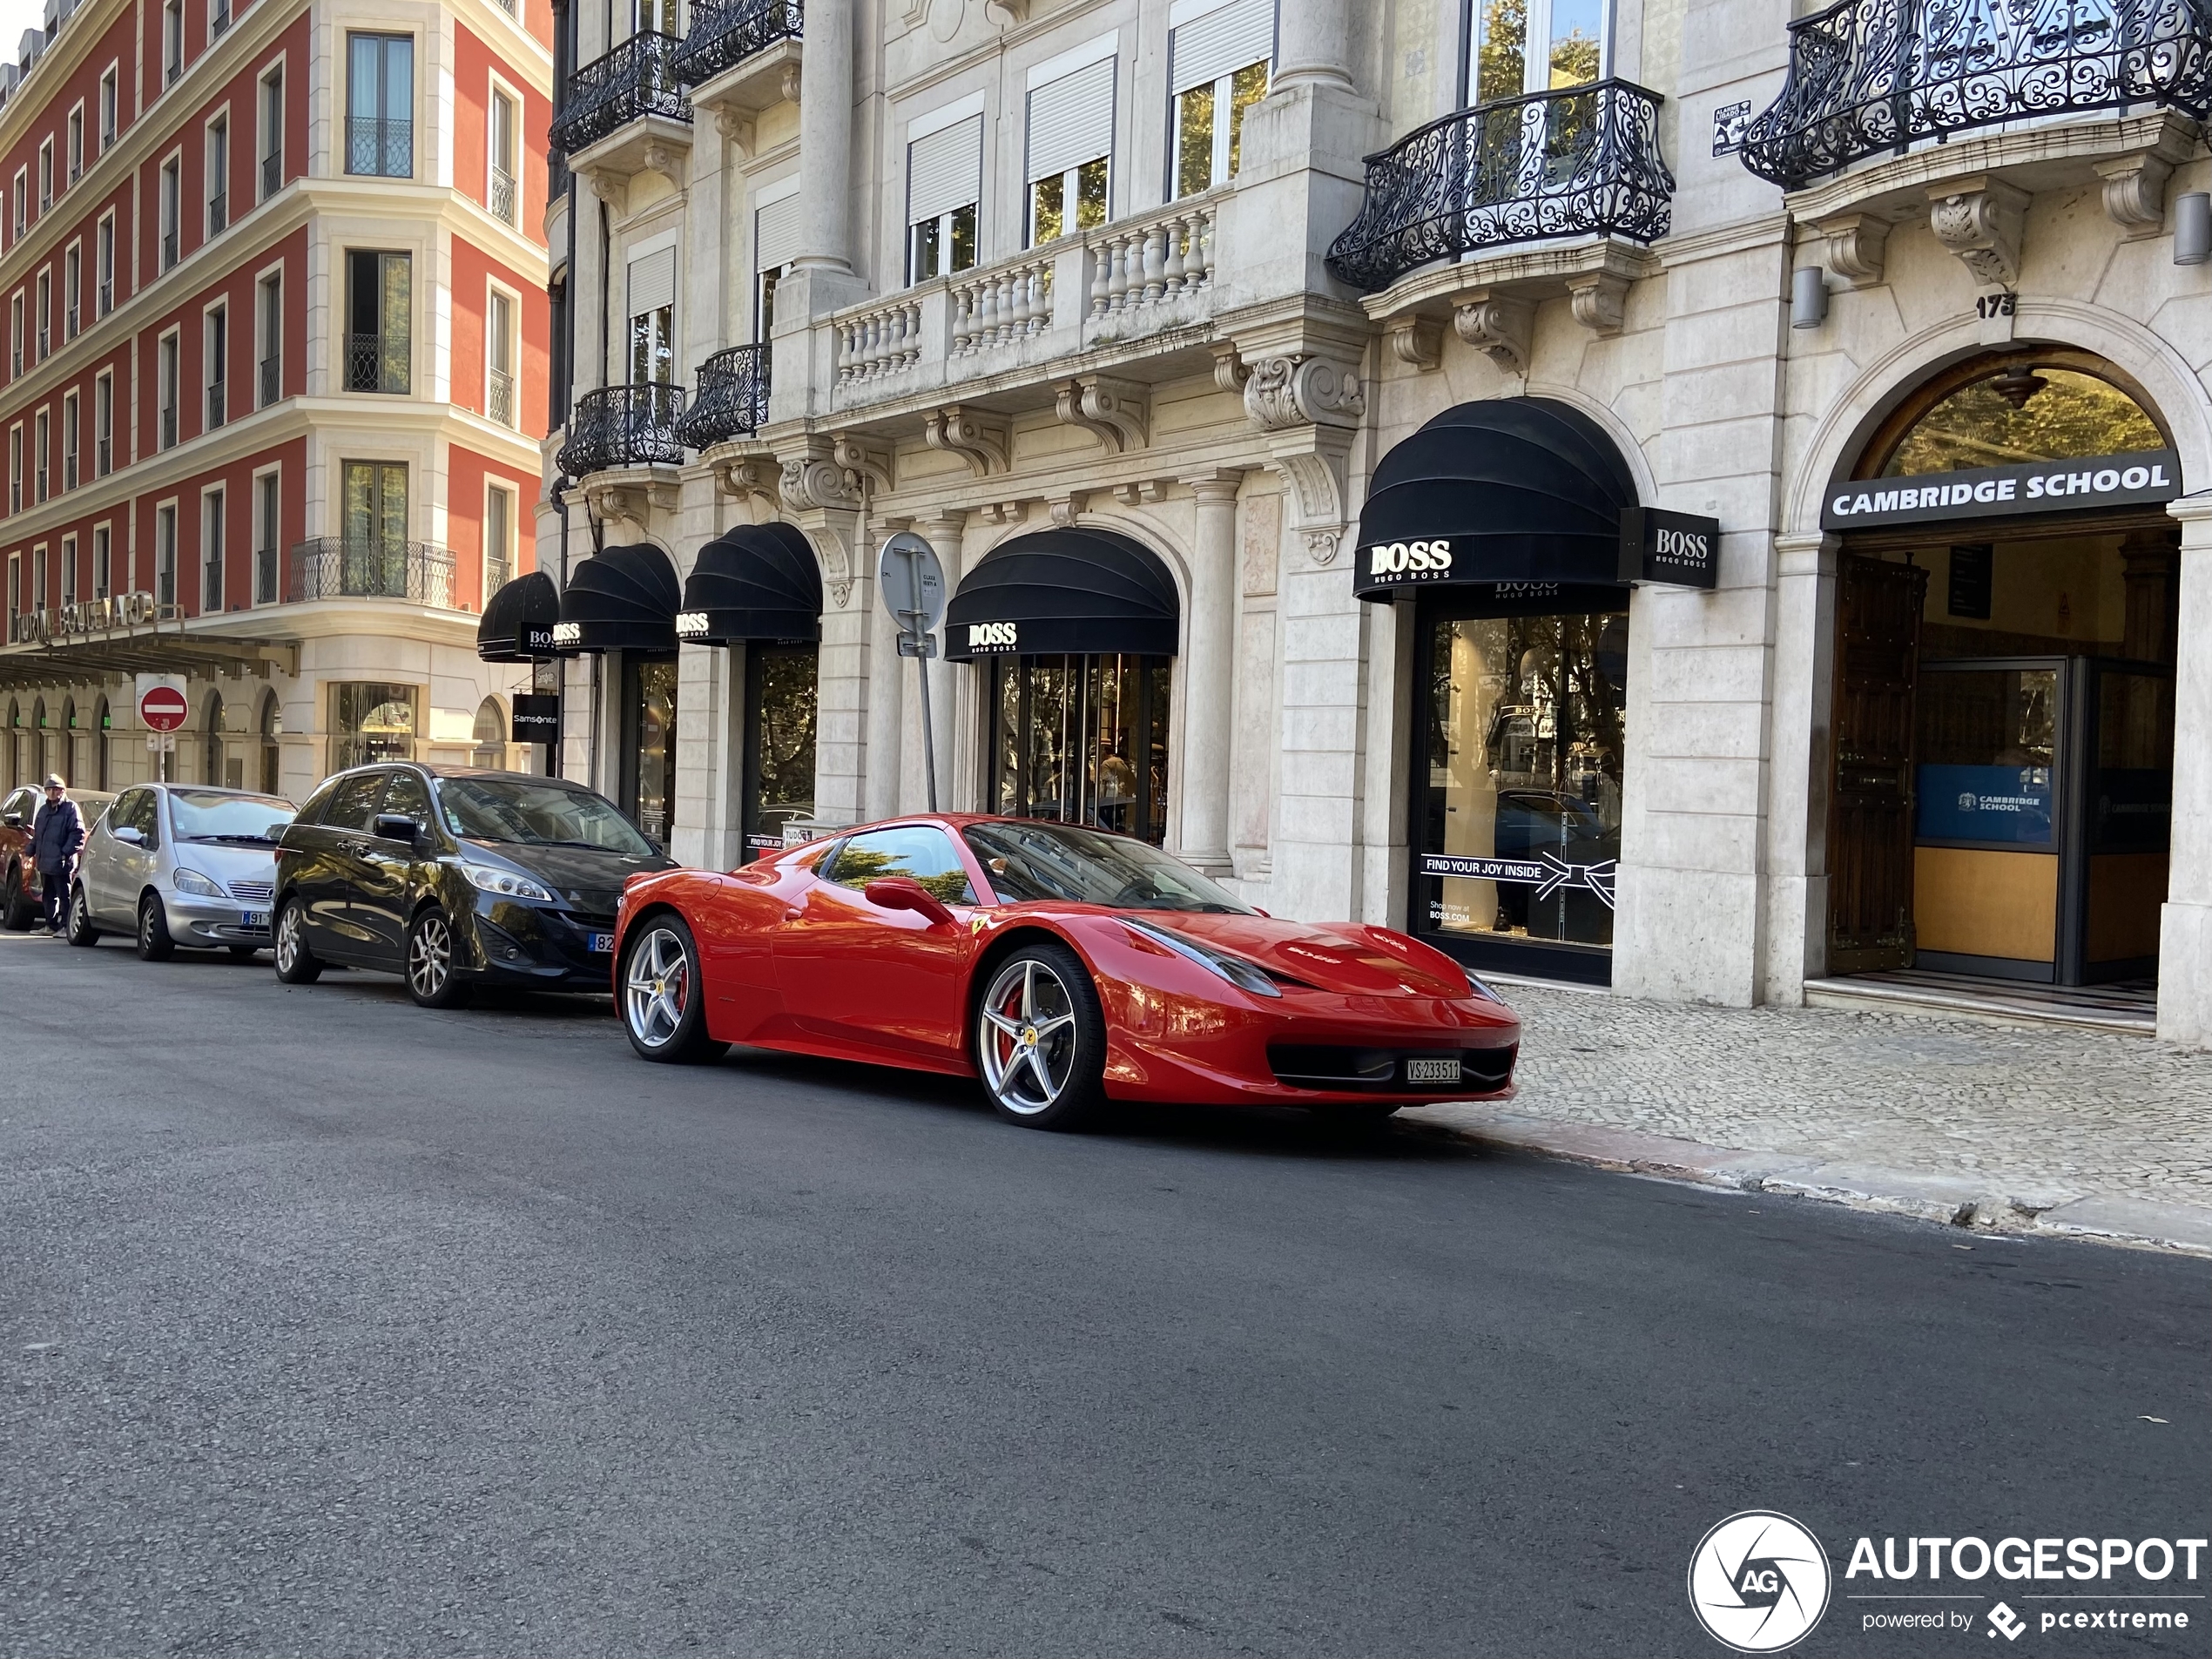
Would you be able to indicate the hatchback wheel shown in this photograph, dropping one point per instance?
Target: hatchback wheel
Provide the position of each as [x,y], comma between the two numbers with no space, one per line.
[296,963]
[430,977]
[154,943]
[15,908]
[664,999]
[81,930]
[1041,1039]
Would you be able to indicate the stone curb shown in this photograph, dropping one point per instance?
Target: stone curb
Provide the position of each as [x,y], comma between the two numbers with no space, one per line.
[1983,1202]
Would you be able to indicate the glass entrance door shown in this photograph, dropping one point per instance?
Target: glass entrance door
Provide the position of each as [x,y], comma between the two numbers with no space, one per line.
[1083,740]
[780,744]
[649,746]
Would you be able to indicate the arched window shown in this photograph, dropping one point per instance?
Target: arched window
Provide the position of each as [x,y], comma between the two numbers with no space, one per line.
[491,736]
[102,722]
[2009,407]
[70,769]
[212,767]
[41,766]
[272,729]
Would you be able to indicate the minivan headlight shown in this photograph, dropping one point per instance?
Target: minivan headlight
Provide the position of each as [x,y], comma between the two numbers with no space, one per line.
[1245,976]
[508,884]
[197,885]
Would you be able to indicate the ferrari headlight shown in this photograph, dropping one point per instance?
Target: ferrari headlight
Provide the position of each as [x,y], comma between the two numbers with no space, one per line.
[1245,976]
[197,885]
[508,884]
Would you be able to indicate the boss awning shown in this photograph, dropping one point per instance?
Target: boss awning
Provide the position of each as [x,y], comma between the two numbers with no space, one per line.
[754,582]
[1513,491]
[519,620]
[1074,592]
[624,598]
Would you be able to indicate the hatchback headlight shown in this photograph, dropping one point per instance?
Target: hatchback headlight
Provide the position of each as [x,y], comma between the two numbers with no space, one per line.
[197,885]
[1245,976]
[508,884]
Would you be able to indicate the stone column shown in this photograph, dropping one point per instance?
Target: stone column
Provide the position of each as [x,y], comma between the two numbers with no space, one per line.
[887,676]
[2185,931]
[1312,43]
[1207,674]
[1797,855]
[826,141]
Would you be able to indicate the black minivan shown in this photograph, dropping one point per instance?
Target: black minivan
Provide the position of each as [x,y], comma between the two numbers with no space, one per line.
[452,876]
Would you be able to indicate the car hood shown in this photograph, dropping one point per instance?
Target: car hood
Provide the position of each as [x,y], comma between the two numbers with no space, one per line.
[224,861]
[585,877]
[1343,957]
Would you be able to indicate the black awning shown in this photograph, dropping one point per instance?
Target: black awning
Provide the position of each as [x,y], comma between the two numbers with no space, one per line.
[1074,592]
[1506,491]
[754,582]
[518,621]
[624,598]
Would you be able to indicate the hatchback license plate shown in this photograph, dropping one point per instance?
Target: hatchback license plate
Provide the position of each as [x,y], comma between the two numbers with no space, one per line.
[1444,1070]
[604,945]
[253,918]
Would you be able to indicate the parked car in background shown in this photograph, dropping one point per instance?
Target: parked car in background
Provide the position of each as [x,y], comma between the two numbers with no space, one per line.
[174,865]
[19,891]
[455,876]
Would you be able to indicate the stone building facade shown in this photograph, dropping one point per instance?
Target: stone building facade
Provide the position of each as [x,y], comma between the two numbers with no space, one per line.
[1396,348]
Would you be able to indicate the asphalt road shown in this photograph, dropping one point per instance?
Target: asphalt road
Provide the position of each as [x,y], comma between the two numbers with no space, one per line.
[331,1326]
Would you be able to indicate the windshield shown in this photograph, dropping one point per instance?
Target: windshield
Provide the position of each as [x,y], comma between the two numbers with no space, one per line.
[1066,861]
[205,815]
[547,814]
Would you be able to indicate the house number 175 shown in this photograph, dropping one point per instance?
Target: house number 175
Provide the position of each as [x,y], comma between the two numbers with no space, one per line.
[1997,305]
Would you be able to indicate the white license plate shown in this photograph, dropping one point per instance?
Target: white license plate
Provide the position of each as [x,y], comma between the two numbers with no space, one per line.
[604,943]
[1446,1070]
[253,918]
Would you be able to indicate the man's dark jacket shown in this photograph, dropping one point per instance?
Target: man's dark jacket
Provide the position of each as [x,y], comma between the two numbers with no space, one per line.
[57,835]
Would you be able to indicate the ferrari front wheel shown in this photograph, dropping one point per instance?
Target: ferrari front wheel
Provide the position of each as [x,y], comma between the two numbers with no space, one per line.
[664,999]
[1041,1039]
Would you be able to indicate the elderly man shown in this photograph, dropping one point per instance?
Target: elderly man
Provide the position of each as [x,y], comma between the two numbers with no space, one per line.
[56,838]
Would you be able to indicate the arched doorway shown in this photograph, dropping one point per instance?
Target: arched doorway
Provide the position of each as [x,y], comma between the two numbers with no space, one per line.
[490,749]
[2003,728]
[271,728]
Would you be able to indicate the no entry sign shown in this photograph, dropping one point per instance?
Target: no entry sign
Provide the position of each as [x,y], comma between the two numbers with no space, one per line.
[163,708]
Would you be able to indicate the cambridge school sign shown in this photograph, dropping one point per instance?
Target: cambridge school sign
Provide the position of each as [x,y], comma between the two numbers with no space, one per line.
[2140,477]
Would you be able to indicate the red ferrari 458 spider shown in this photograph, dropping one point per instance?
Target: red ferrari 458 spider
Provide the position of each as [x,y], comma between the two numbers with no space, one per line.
[1063,965]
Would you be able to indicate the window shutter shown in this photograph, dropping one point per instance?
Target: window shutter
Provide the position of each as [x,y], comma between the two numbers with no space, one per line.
[1215,43]
[775,235]
[653,282]
[1071,120]
[945,170]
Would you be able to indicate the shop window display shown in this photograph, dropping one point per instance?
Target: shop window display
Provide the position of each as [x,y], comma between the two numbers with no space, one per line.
[1081,739]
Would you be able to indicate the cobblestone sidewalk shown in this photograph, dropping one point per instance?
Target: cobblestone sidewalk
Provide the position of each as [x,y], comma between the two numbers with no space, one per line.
[2051,1114]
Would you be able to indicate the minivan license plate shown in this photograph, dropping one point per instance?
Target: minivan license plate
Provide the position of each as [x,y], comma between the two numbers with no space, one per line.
[254,918]
[1443,1070]
[605,944]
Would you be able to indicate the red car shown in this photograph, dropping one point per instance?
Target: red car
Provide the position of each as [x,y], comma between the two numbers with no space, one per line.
[1063,965]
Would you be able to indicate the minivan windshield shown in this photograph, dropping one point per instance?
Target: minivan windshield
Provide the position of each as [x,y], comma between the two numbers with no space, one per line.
[210,815]
[545,814]
[1047,860]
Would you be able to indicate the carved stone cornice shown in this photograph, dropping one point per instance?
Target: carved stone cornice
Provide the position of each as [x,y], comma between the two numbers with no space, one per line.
[980,443]
[1856,246]
[867,468]
[1116,411]
[1498,325]
[1980,220]
[1599,300]
[813,481]
[1419,340]
[1293,391]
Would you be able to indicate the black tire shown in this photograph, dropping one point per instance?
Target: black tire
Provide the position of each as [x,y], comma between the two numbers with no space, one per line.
[1041,1039]
[296,963]
[15,908]
[154,943]
[661,995]
[81,930]
[432,980]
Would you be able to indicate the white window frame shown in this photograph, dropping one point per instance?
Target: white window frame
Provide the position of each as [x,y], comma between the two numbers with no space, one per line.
[68,567]
[512,497]
[210,360]
[103,559]
[495,291]
[217,546]
[169,367]
[46,191]
[42,427]
[103,251]
[22,218]
[501,89]
[218,118]
[259,479]
[72,447]
[923,126]
[168,208]
[274,70]
[164,525]
[110,107]
[14,467]
[74,142]
[172,43]
[265,346]
[1187,11]
[72,289]
[104,399]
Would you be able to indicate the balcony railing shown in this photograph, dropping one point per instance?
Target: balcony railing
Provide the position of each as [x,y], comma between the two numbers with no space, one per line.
[216,402]
[103,456]
[502,194]
[271,175]
[69,469]
[1870,75]
[271,371]
[169,427]
[336,567]
[624,426]
[499,396]
[379,146]
[376,363]
[168,249]
[638,78]
[724,34]
[731,400]
[107,295]
[1568,163]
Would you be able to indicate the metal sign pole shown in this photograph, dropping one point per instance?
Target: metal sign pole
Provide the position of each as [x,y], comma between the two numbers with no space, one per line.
[917,628]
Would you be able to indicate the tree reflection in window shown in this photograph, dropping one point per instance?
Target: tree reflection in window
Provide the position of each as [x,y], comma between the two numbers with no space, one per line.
[2024,412]
[927,855]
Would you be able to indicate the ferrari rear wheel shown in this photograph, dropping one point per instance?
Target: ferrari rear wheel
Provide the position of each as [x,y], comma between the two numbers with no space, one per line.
[663,997]
[1041,1039]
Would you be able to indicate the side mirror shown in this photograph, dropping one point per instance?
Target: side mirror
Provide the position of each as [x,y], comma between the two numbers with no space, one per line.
[129,836]
[904,892]
[15,820]
[396,827]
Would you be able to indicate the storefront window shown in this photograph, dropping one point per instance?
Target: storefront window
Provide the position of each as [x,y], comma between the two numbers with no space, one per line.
[370,723]
[491,734]
[779,743]
[649,793]
[1081,739]
[1521,807]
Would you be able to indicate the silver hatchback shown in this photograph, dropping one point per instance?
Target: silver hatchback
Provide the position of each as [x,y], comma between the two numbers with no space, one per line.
[180,863]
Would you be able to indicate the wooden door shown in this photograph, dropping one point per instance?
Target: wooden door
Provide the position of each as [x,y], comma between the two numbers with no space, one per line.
[1870,823]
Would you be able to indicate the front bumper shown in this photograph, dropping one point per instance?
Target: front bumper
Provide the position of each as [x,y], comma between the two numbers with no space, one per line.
[195,920]
[540,946]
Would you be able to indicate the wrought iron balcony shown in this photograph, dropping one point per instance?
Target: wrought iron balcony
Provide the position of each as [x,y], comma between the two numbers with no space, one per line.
[377,362]
[624,426]
[379,146]
[499,396]
[272,373]
[638,78]
[725,32]
[1873,75]
[217,403]
[1569,163]
[271,175]
[502,194]
[731,400]
[338,567]
[218,213]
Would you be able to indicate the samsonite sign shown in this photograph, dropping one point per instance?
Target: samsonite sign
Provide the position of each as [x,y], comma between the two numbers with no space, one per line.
[2140,477]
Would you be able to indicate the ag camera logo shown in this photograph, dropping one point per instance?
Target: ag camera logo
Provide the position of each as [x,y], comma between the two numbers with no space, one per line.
[1758,1581]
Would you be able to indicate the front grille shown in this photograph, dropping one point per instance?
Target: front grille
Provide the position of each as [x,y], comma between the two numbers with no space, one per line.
[1305,1065]
[253,892]
[593,901]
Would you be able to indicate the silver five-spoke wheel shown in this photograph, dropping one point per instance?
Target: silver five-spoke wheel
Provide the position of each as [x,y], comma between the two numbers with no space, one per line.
[1028,1040]
[657,991]
[429,957]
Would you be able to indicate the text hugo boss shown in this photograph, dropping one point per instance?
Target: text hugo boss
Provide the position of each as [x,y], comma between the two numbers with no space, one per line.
[1393,558]
[993,635]
[1690,547]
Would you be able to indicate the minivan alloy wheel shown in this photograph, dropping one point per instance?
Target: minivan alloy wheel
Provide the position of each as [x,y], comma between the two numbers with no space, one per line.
[429,956]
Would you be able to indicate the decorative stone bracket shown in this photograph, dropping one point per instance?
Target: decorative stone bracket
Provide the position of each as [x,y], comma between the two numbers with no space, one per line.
[1980,220]
[630,496]
[824,498]
[2135,184]
[867,469]
[1296,390]
[982,443]
[1857,245]
[1497,324]
[746,475]
[1419,340]
[1115,412]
